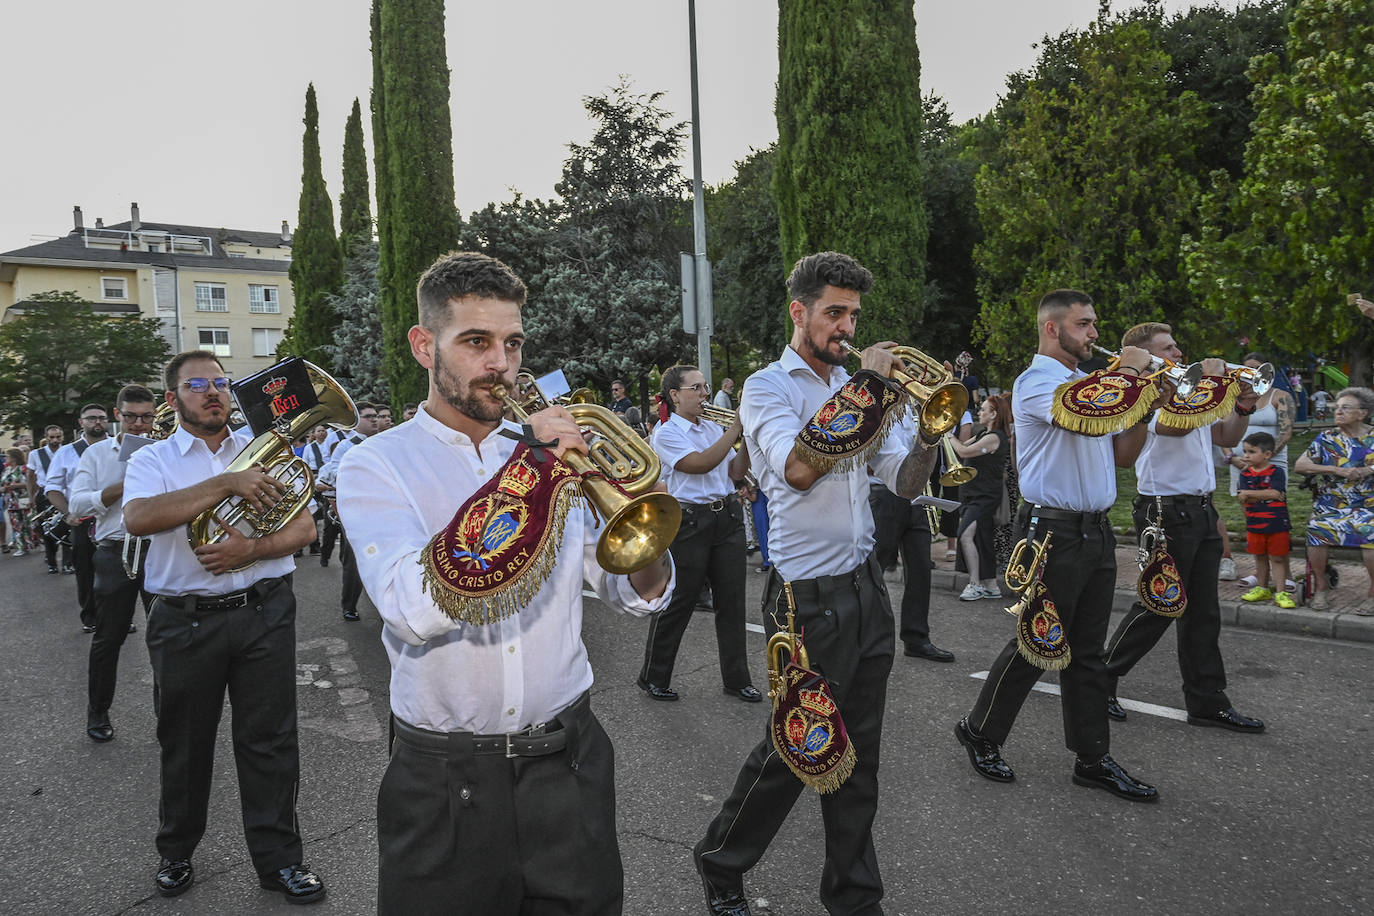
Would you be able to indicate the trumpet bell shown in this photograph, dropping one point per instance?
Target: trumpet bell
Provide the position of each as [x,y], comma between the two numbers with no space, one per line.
[638,533]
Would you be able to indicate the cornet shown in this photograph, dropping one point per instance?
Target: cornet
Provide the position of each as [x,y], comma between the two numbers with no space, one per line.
[1185,380]
[942,400]
[955,472]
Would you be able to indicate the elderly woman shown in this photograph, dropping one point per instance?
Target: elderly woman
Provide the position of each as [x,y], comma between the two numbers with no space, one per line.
[1343,513]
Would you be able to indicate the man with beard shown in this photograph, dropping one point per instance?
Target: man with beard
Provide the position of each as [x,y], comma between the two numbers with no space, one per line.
[212,629]
[368,422]
[40,462]
[97,491]
[1068,482]
[820,541]
[500,794]
[57,487]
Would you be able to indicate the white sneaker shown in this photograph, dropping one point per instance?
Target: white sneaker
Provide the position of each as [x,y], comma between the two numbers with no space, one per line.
[1247,581]
[972,592]
[990,592]
[1228,569]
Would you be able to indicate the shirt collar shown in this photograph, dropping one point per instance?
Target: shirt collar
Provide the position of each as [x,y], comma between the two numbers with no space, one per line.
[1049,364]
[184,441]
[792,361]
[680,420]
[445,433]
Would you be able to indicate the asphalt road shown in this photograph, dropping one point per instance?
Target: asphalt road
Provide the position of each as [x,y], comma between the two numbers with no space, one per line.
[1276,823]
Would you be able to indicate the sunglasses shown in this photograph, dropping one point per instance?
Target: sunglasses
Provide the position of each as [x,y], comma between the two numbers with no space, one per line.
[202,385]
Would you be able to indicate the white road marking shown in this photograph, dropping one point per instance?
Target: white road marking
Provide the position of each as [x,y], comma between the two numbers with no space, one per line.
[1149,709]
[751,627]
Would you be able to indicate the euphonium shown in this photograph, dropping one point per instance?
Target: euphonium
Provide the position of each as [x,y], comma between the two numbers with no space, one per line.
[1185,380]
[272,450]
[942,400]
[639,524]
[955,472]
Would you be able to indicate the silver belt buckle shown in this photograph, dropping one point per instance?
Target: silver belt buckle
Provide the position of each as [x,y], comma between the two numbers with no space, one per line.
[532,732]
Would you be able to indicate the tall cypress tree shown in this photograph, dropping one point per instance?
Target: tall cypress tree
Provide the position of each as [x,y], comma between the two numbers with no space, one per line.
[316,264]
[355,206]
[415,142]
[381,174]
[848,174]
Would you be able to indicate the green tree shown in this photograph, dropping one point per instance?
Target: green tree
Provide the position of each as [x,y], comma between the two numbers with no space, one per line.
[380,172]
[1303,211]
[316,264]
[848,173]
[356,350]
[63,355]
[416,213]
[355,201]
[1094,190]
[517,232]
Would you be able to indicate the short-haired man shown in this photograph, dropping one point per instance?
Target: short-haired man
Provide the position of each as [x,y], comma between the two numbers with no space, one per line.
[820,541]
[619,402]
[57,486]
[213,628]
[369,424]
[40,461]
[1175,478]
[409,412]
[1068,482]
[98,491]
[383,418]
[316,456]
[724,398]
[500,794]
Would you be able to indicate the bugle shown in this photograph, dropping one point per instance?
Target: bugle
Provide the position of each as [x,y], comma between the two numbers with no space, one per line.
[941,400]
[1185,380]
[956,473]
[1261,377]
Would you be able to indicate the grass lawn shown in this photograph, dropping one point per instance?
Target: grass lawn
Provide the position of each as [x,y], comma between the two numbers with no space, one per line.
[1228,507]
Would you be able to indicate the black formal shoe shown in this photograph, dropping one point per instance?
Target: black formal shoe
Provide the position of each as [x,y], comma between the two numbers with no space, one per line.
[350,615]
[297,882]
[748,693]
[1229,718]
[132,628]
[985,756]
[1114,709]
[1106,773]
[69,569]
[928,649]
[175,876]
[724,903]
[87,628]
[324,561]
[52,570]
[657,692]
[98,727]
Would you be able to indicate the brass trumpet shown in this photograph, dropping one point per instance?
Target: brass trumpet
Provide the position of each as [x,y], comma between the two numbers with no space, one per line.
[942,400]
[1185,380]
[639,524]
[722,418]
[956,472]
[1261,377]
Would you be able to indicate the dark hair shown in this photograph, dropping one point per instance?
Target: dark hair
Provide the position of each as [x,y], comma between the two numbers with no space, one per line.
[616,381]
[173,370]
[815,272]
[459,274]
[134,394]
[90,407]
[1262,441]
[410,406]
[364,405]
[1001,407]
[672,378]
[1257,357]
[1056,302]
[54,426]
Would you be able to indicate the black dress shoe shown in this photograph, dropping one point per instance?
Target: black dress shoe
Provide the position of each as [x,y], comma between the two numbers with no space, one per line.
[175,876]
[1114,709]
[324,561]
[985,756]
[98,727]
[350,615]
[748,693]
[297,882]
[1229,718]
[928,649]
[52,570]
[720,901]
[656,692]
[1106,773]
[87,628]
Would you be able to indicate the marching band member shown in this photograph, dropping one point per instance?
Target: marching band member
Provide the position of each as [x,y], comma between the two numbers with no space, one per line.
[709,547]
[501,787]
[1175,480]
[820,542]
[57,484]
[1068,482]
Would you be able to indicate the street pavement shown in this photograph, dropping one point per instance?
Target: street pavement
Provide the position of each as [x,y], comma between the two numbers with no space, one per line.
[1275,823]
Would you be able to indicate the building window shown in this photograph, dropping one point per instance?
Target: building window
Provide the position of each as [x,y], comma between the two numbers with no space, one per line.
[216,340]
[237,254]
[114,288]
[263,299]
[265,341]
[211,297]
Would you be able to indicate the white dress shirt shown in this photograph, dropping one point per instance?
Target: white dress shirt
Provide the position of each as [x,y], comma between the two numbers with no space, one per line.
[100,467]
[63,468]
[1176,465]
[828,529]
[1055,467]
[40,475]
[330,474]
[175,463]
[315,455]
[722,400]
[678,438]
[397,490]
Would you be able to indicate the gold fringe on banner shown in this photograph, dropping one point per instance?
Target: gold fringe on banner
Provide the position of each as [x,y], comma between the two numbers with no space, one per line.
[1102,403]
[1213,399]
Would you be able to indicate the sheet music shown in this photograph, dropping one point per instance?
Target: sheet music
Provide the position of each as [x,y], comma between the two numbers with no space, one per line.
[131,443]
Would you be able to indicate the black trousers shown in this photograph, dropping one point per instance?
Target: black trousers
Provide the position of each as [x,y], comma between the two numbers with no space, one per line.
[251,652]
[898,525]
[463,832]
[1081,576]
[352,582]
[1195,545]
[709,547]
[849,627]
[83,559]
[330,535]
[50,542]
[115,596]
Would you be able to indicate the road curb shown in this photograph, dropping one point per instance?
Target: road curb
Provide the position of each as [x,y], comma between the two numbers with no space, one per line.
[1341,625]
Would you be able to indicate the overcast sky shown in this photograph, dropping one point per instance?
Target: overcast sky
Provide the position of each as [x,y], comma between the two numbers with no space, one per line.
[194,110]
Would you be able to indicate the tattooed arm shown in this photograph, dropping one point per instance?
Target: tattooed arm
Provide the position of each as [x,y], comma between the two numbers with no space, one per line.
[1283,409]
[915,469]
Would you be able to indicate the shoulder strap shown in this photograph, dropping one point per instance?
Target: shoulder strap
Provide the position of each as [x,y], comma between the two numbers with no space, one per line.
[319,457]
[80,447]
[45,457]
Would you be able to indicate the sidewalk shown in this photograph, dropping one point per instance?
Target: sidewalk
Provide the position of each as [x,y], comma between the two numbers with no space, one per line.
[1338,623]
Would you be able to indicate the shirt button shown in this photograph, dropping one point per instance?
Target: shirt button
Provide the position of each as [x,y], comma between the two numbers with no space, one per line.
[371,549]
[511,650]
[511,711]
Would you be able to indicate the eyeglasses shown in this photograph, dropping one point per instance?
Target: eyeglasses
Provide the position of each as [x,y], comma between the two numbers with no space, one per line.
[1343,407]
[367,416]
[102,418]
[138,417]
[699,388]
[202,385]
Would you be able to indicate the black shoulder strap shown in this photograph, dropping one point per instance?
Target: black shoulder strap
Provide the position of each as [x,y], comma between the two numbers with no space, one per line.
[319,457]
[357,439]
[81,446]
[45,457]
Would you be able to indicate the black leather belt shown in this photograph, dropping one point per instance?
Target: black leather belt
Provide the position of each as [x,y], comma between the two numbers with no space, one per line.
[1072,515]
[715,505]
[535,741]
[1202,501]
[811,590]
[226,602]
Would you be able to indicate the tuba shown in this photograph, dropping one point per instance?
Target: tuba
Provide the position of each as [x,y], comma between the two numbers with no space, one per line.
[272,451]
[617,476]
[941,400]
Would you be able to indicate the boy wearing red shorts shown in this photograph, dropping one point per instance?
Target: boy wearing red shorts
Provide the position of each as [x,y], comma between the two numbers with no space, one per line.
[1262,492]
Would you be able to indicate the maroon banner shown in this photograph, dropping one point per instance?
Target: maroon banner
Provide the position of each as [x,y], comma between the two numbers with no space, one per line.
[1103,402]
[1213,398]
[851,425]
[1160,587]
[807,730]
[1040,636]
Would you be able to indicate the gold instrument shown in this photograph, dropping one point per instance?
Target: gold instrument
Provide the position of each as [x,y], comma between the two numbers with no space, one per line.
[782,648]
[955,473]
[272,451]
[1185,380]
[1020,575]
[722,418]
[165,422]
[926,381]
[1261,377]
[617,477]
